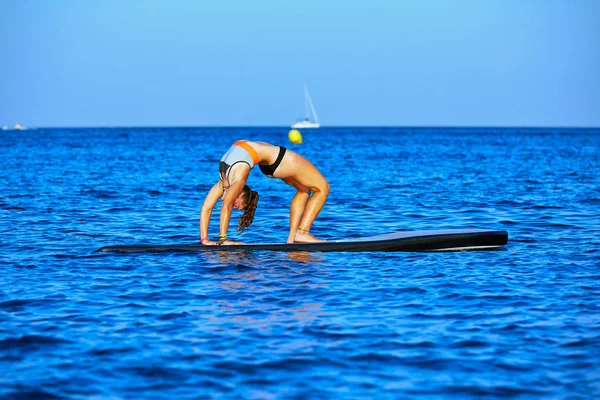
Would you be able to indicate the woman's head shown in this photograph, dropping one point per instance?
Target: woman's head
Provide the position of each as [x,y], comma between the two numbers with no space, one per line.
[250,201]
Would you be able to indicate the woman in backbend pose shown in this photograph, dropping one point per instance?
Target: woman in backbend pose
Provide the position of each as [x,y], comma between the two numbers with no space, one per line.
[275,162]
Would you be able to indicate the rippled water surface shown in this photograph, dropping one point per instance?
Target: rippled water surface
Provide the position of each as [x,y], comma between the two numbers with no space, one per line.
[519,322]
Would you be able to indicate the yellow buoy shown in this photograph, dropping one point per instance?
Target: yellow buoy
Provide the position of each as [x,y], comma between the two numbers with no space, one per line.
[295,136]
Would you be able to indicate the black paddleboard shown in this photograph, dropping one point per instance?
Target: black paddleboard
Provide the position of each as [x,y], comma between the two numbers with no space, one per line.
[434,240]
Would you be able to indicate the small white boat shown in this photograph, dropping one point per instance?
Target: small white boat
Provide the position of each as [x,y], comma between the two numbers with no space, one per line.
[307,123]
[18,127]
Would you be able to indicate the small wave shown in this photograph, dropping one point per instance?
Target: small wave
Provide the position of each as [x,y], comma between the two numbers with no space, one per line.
[29,266]
[542,207]
[183,238]
[376,357]
[516,366]
[9,207]
[172,316]
[508,328]
[128,305]
[469,344]
[429,363]
[20,304]
[558,225]
[425,344]
[329,333]
[457,316]
[119,209]
[511,203]
[479,391]
[157,372]
[582,343]
[111,351]
[102,194]
[228,369]
[32,394]
[295,364]
[593,201]
[244,267]
[29,342]
[409,290]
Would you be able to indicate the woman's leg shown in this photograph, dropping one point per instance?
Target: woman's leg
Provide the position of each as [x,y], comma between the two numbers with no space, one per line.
[313,207]
[297,171]
[304,210]
[297,207]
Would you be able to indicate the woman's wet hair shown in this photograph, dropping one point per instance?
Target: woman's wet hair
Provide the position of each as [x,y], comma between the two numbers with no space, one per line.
[250,197]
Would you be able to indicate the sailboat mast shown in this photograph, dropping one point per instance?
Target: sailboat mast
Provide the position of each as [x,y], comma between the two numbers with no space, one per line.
[306,100]
[310,104]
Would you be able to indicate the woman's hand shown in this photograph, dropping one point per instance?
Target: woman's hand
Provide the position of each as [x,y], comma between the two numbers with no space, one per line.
[225,183]
[225,189]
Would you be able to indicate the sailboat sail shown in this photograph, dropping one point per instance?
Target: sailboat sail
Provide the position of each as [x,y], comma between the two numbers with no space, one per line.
[310,109]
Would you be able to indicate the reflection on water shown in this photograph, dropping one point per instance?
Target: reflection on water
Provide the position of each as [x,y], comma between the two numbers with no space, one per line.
[305,257]
[255,298]
[251,257]
[251,315]
[228,257]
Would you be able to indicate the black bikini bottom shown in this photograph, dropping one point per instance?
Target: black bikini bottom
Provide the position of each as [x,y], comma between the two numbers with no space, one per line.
[269,170]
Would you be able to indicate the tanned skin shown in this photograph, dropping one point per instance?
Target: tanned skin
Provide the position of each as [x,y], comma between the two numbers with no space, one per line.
[311,187]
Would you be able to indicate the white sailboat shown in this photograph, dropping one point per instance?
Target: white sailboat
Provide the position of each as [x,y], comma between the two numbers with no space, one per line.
[307,123]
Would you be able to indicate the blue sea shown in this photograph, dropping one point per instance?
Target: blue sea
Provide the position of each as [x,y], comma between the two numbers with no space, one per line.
[522,321]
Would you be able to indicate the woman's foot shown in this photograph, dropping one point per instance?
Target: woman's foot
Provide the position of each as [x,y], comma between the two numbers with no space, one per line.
[304,236]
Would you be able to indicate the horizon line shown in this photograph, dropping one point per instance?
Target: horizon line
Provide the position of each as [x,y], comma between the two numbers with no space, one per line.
[289,127]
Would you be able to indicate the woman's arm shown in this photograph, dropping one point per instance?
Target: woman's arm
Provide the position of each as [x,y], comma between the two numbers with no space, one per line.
[209,203]
[228,199]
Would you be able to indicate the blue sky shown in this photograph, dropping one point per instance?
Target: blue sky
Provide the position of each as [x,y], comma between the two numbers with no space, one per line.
[241,62]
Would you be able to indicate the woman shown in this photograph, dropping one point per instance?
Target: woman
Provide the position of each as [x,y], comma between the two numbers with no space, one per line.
[275,162]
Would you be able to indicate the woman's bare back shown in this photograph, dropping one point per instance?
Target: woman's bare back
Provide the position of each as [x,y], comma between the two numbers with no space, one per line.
[292,166]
